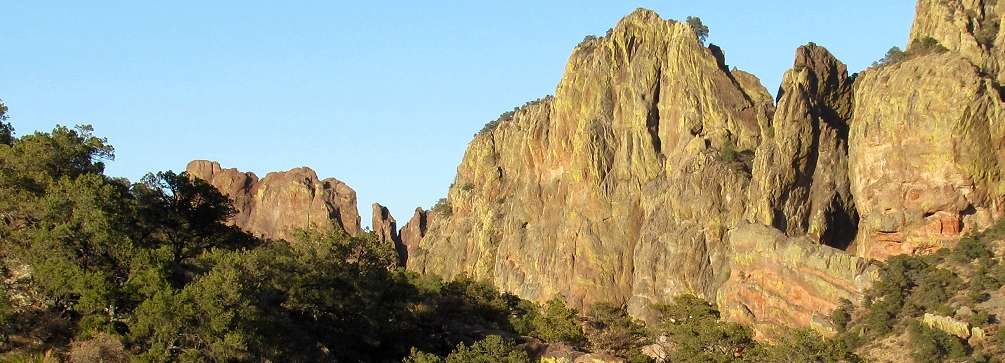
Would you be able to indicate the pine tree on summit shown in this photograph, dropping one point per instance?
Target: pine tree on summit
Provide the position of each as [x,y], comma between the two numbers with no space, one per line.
[699,29]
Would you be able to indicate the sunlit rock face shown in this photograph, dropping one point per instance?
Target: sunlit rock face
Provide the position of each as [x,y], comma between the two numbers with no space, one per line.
[276,205]
[926,154]
[625,186]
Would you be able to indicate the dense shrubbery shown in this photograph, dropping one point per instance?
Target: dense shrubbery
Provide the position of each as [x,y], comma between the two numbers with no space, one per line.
[946,283]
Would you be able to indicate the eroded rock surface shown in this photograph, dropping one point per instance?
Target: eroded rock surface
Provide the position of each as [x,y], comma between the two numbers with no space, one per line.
[926,152]
[616,188]
[386,229]
[775,280]
[276,205]
[800,175]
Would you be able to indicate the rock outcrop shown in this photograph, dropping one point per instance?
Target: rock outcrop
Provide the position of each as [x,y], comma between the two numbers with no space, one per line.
[276,205]
[621,187]
[800,175]
[631,185]
[386,229]
[775,280]
[926,154]
[413,232]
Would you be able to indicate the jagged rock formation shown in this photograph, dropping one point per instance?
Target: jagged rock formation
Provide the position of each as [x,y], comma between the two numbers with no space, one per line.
[386,229]
[276,205]
[613,189]
[800,177]
[626,185]
[413,232]
[655,171]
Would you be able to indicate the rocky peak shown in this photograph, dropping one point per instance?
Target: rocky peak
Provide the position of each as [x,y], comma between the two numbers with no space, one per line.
[386,229]
[967,27]
[800,173]
[413,231]
[276,205]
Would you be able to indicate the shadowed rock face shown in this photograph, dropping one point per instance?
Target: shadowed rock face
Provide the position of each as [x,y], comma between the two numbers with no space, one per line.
[276,205]
[413,232]
[800,176]
[386,229]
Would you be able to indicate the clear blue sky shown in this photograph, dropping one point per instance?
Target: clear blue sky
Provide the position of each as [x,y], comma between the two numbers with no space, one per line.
[382,95]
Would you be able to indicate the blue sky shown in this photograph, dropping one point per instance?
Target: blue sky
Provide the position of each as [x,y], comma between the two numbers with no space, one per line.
[383,95]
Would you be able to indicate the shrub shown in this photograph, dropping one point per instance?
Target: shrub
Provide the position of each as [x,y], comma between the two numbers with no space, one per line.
[842,315]
[933,345]
[418,356]
[492,349]
[557,324]
[696,335]
[442,207]
[609,328]
[727,153]
[700,30]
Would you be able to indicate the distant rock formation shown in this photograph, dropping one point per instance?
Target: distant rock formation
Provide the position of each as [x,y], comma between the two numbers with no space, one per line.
[386,229]
[276,205]
[413,231]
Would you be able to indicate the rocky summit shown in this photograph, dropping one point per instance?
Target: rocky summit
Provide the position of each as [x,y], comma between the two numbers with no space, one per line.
[280,203]
[657,170]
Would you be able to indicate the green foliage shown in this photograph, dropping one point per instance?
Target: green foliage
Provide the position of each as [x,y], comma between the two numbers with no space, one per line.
[926,45]
[493,349]
[727,153]
[842,315]
[909,287]
[917,48]
[418,356]
[509,115]
[894,55]
[803,346]
[696,335]
[609,328]
[932,345]
[556,323]
[467,187]
[587,40]
[442,207]
[700,30]
[970,249]
[6,130]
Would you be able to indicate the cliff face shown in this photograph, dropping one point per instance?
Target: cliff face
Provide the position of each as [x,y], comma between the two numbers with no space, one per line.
[926,154]
[926,145]
[800,176]
[655,171]
[626,185]
[276,205]
[614,188]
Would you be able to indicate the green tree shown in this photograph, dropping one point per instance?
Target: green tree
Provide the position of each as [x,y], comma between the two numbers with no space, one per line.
[492,349]
[609,328]
[699,29]
[6,130]
[696,335]
[557,324]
